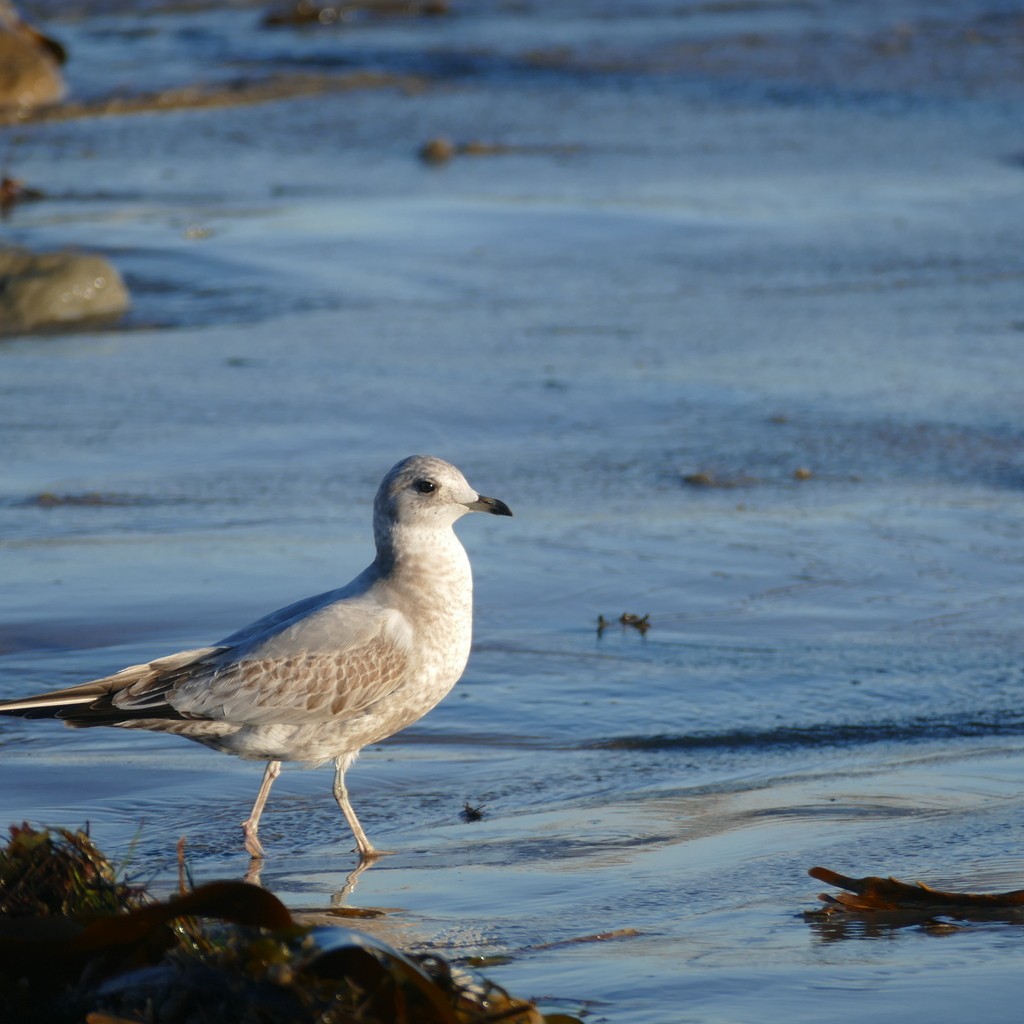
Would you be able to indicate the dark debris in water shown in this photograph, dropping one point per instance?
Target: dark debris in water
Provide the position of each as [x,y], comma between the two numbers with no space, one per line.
[709,479]
[470,813]
[98,499]
[302,13]
[641,623]
[439,150]
[75,944]
[49,499]
[14,191]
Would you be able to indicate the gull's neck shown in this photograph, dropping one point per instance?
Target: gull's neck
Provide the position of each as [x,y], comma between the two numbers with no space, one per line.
[431,550]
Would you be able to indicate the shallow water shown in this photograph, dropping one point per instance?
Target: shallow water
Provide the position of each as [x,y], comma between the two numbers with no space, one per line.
[729,241]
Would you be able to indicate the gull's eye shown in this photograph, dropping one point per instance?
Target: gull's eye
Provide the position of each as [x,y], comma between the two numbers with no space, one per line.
[426,486]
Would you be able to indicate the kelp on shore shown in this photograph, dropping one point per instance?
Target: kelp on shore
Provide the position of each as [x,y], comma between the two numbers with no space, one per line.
[78,944]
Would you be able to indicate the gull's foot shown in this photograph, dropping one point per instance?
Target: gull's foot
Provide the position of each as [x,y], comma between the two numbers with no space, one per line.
[368,854]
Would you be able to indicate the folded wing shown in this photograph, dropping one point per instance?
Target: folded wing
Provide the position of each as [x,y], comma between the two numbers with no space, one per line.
[326,665]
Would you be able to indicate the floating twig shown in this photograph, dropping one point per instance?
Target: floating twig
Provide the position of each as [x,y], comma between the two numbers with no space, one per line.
[872,894]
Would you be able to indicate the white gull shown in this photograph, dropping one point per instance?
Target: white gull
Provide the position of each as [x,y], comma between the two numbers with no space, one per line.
[318,680]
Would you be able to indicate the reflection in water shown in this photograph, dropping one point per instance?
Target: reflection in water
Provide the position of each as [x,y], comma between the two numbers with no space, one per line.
[339,899]
[883,924]
[388,924]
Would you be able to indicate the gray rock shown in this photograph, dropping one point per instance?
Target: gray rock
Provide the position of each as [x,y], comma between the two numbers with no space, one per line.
[45,290]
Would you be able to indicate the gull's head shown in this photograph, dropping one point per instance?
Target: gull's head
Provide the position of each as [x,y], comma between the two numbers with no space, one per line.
[426,491]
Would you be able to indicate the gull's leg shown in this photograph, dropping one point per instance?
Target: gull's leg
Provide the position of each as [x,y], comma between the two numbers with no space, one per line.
[366,850]
[252,823]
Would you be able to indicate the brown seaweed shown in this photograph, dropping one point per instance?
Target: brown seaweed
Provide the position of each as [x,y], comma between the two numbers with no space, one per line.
[872,894]
[76,944]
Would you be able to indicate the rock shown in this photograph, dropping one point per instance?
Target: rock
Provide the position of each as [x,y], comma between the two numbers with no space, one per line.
[44,290]
[29,73]
[437,151]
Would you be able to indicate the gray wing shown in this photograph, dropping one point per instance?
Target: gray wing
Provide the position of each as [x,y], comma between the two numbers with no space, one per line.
[279,620]
[327,665]
[322,658]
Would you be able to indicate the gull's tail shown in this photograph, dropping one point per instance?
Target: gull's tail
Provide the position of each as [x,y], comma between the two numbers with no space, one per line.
[95,702]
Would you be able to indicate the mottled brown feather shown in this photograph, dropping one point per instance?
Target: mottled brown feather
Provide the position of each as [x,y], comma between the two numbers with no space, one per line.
[299,689]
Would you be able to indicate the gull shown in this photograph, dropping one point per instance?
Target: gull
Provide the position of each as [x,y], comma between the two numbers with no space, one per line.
[320,679]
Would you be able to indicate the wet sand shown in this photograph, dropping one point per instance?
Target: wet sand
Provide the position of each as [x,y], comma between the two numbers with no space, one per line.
[711,245]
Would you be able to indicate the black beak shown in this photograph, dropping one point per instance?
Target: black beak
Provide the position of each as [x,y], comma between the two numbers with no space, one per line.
[493,505]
